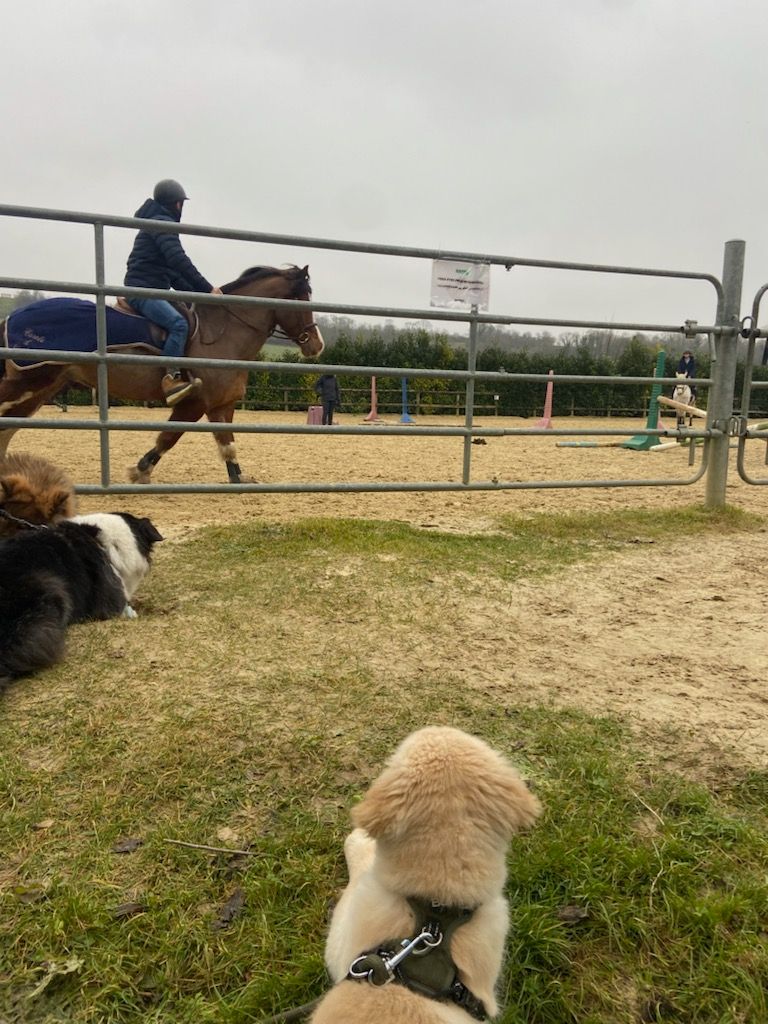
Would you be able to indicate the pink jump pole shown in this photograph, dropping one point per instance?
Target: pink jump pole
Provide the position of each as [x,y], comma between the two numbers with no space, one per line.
[546,419]
[373,415]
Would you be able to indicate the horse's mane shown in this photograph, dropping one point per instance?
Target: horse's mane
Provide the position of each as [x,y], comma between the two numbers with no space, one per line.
[293,273]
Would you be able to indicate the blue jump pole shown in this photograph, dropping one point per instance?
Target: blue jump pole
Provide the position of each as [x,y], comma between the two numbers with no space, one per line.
[405,418]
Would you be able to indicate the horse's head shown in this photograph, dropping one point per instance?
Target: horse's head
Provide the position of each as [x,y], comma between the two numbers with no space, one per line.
[286,283]
[295,323]
[682,390]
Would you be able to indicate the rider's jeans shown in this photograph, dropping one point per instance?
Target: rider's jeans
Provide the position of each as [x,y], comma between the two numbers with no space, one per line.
[161,312]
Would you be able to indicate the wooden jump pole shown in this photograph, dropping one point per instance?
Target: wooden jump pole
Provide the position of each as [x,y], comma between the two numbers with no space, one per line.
[691,410]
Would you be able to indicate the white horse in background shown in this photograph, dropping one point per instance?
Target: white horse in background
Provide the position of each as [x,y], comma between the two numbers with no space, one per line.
[684,394]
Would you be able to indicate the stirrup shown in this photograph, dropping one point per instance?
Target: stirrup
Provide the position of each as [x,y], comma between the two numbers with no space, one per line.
[176,388]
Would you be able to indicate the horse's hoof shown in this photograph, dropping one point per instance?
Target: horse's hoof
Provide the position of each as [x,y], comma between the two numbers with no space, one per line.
[139,476]
[243,478]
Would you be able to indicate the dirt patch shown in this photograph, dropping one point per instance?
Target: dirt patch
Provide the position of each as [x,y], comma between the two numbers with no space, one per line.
[664,634]
[282,458]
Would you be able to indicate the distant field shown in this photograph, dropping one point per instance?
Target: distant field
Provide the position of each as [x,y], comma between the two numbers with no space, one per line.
[273,351]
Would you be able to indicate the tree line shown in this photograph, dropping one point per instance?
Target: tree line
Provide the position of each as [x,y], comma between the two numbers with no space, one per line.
[416,345]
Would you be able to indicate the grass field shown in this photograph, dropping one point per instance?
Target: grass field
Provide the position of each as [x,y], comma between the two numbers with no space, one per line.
[241,711]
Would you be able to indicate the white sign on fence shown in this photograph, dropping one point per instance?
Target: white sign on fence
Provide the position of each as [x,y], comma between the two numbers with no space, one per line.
[457,285]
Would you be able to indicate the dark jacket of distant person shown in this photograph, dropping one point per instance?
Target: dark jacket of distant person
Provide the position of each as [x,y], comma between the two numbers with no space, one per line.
[687,365]
[327,388]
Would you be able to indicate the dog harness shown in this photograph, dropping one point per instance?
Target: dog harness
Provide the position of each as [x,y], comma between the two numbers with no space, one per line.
[422,962]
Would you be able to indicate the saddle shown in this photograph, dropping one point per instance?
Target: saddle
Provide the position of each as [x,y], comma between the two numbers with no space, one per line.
[157,332]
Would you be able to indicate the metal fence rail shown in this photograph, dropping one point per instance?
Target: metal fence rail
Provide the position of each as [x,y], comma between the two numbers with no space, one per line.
[722,333]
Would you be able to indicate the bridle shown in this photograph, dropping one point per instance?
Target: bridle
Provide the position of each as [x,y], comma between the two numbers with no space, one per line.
[301,339]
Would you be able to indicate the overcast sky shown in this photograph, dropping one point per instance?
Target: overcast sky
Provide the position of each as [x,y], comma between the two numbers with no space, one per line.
[632,132]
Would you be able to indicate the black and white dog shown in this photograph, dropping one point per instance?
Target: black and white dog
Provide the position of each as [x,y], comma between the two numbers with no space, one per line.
[88,567]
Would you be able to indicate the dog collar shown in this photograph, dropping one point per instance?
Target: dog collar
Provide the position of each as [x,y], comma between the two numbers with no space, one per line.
[25,524]
[422,962]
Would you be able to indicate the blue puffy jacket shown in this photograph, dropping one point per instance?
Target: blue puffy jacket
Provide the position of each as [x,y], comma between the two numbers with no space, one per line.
[159,260]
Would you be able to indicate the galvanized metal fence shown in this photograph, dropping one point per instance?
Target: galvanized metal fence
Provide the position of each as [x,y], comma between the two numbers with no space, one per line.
[742,428]
[723,333]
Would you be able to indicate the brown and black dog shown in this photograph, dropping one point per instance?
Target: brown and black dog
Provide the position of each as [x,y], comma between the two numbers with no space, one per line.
[34,490]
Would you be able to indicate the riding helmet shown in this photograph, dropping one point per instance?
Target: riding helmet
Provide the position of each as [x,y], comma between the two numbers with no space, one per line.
[168,192]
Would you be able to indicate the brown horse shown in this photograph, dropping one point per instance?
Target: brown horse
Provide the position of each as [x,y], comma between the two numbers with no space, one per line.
[222,332]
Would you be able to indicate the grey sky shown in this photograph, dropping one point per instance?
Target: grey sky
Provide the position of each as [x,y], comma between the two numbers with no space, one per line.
[610,131]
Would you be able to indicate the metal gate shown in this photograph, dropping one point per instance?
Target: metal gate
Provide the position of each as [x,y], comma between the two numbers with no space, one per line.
[723,335]
[741,427]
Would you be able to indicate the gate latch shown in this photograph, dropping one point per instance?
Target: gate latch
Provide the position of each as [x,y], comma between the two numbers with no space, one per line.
[737,426]
[690,328]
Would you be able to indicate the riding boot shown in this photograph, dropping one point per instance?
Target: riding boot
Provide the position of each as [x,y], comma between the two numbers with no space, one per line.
[175,387]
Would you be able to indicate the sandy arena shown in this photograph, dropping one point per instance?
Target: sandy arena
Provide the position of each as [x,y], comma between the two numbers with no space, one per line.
[620,637]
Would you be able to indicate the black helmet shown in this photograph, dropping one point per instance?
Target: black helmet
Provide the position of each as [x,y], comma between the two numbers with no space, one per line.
[169,192]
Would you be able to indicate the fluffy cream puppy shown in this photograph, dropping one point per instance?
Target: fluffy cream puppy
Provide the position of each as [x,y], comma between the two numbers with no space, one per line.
[434,826]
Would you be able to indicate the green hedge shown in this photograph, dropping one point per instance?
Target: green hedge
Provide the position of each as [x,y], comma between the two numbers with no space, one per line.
[423,350]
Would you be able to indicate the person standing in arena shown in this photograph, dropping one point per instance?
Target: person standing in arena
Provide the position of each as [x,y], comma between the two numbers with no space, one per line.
[327,388]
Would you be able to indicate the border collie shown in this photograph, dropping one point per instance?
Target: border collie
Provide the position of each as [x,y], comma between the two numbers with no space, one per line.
[81,569]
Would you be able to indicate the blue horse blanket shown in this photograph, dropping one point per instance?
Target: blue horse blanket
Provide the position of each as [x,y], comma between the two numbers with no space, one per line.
[69,325]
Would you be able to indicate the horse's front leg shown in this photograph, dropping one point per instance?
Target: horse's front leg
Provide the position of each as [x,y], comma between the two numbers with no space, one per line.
[225,442]
[188,411]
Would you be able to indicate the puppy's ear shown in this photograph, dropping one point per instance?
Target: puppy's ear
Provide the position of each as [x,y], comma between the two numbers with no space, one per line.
[383,811]
[503,800]
[60,504]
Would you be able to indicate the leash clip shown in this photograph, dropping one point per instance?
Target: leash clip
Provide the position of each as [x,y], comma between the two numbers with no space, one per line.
[428,938]
[382,972]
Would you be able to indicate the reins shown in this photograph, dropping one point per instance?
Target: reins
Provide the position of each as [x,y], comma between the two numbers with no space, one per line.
[277,331]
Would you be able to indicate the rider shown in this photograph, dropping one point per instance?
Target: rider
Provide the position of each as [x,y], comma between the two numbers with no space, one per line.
[158,260]
[687,366]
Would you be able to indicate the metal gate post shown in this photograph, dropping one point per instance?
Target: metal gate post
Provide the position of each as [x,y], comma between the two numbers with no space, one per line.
[102,377]
[721,395]
[470,394]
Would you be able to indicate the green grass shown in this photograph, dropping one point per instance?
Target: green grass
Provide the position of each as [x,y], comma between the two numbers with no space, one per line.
[221,718]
